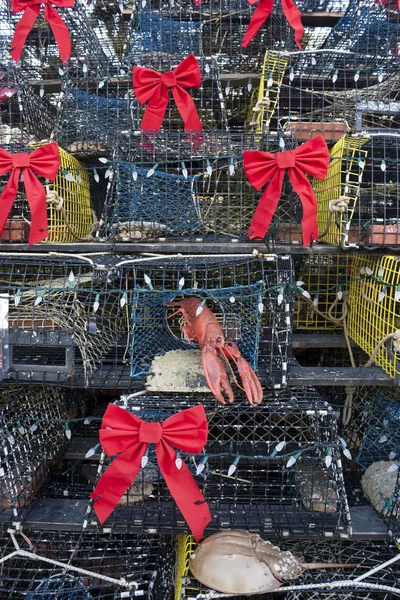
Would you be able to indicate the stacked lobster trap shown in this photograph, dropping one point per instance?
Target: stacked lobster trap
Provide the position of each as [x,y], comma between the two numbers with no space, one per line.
[83,566]
[280,483]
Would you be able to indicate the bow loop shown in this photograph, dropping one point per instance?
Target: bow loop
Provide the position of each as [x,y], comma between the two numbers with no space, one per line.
[128,436]
[312,158]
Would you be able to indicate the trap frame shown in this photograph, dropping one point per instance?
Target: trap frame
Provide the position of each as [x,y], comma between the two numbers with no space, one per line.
[373,314]
[323,276]
[107,566]
[252,296]
[269,491]
[32,440]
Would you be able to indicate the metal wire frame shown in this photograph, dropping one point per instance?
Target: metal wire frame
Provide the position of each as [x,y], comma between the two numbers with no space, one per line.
[375,218]
[374,309]
[333,92]
[203,196]
[92,45]
[28,451]
[143,564]
[367,27]
[64,320]
[264,337]
[322,276]
[264,494]
[367,554]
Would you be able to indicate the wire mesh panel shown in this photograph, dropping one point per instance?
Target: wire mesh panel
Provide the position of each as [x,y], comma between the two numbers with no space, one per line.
[323,277]
[339,194]
[373,319]
[325,92]
[368,27]
[65,322]
[106,566]
[281,481]
[251,298]
[91,43]
[366,555]
[31,443]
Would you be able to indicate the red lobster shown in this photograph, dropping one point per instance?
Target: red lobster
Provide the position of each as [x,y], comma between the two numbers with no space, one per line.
[203,328]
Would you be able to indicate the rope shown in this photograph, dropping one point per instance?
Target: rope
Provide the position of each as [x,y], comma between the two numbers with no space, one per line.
[336,205]
[263,103]
[55,200]
[395,337]
[56,563]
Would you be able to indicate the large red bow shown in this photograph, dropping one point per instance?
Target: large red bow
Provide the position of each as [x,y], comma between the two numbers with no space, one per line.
[44,161]
[263,11]
[31,10]
[123,432]
[152,87]
[312,157]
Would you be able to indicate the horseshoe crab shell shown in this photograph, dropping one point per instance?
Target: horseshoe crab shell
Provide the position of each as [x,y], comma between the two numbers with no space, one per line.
[237,562]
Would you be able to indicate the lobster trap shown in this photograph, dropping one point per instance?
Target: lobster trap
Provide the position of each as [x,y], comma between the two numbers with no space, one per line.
[32,441]
[281,482]
[202,197]
[66,324]
[325,278]
[83,566]
[251,298]
[40,59]
[373,319]
[366,555]
[328,92]
[357,203]
[368,28]
[70,215]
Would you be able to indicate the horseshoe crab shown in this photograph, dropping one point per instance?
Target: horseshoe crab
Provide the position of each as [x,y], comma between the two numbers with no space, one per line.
[238,562]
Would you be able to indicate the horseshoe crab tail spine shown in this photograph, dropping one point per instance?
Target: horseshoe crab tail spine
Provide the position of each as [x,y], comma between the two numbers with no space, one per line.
[309,566]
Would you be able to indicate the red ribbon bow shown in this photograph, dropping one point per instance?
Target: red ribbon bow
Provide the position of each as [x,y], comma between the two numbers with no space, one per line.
[44,161]
[130,436]
[152,87]
[312,157]
[31,10]
[263,11]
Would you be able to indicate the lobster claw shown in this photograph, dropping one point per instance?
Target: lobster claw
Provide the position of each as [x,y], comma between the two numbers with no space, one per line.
[250,382]
[216,377]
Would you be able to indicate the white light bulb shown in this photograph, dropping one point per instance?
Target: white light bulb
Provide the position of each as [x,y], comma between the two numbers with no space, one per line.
[231,470]
[392,468]
[328,460]
[291,462]
[280,446]
[280,299]
[392,455]
[122,302]
[103,160]
[260,308]
[382,439]
[232,299]
[90,453]
[200,468]
[38,301]
[347,453]
[199,310]
[178,463]
[144,461]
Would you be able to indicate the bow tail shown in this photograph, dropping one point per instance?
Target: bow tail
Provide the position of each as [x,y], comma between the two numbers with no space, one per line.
[8,196]
[184,490]
[266,206]
[116,480]
[260,15]
[293,16]
[303,188]
[36,196]
[22,30]
[60,32]
[155,111]
[187,110]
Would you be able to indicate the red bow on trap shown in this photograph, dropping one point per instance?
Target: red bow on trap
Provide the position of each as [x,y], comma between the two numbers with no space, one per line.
[153,87]
[31,9]
[124,433]
[263,11]
[312,157]
[44,161]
